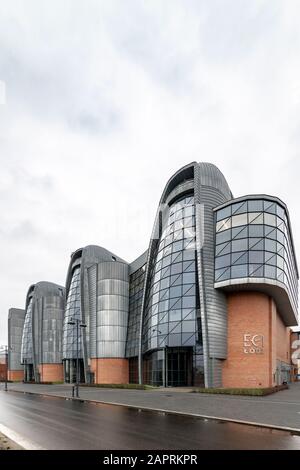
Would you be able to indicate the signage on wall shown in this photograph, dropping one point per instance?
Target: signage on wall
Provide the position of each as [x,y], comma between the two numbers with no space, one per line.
[253,344]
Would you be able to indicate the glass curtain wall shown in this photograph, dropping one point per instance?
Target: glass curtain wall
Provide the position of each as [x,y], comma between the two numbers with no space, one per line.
[136,287]
[27,347]
[172,305]
[253,240]
[70,340]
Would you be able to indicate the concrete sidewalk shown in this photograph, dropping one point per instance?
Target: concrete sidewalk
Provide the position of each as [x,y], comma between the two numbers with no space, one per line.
[281,409]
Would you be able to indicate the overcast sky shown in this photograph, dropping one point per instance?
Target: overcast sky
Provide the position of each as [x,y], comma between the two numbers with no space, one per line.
[101,101]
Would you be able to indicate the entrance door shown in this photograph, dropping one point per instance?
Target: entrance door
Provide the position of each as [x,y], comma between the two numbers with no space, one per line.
[179,367]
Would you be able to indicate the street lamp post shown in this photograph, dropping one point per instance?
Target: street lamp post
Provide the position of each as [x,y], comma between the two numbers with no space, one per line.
[77,322]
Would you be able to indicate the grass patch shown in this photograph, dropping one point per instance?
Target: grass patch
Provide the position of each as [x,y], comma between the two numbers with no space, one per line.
[257,392]
[122,386]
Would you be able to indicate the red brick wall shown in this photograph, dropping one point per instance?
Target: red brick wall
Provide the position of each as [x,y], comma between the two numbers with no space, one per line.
[248,313]
[2,371]
[16,375]
[51,372]
[110,371]
[254,313]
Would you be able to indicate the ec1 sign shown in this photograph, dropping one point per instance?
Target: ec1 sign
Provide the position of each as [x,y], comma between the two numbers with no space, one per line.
[253,344]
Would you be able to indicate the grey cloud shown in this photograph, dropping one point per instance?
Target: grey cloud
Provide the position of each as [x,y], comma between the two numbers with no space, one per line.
[105,100]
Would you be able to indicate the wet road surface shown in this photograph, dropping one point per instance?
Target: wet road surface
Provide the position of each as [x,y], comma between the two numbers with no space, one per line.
[55,423]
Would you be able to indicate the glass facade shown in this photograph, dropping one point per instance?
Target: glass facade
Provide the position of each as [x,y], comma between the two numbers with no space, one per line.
[27,349]
[136,287]
[172,315]
[72,312]
[253,240]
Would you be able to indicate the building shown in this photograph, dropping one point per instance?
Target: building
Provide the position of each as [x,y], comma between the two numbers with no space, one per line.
[211,302]
[96,317]
[16,318]
[41,349]
[219,289]
[3,367]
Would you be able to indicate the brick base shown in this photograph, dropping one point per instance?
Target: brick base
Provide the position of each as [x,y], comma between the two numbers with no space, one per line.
[16,375]
[253,316]
[110,371]
[51,372]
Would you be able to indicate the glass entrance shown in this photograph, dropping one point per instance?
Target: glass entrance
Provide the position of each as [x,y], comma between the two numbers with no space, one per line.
[178,367]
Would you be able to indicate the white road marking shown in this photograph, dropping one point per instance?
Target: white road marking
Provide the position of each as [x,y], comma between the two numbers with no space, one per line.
[18,439]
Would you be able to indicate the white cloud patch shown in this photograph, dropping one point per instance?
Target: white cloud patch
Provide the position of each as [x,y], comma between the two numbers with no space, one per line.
[105,100]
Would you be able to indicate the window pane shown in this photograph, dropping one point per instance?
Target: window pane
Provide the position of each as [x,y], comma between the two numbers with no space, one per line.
[174,315]
[270,271]
[270,219]
[270,258]
[189,255]
[223,236]
[256,256]
[176,268]
[188,302]
[256,270]
[224,213]
[255,206]
[270,245]
[223,225]
[222,261]
[188,266]
[239,258]
[188,278]
[222,274]
[256,230]
[239,207]
[240,232]
[238,220]
[175,291]
[270,207]
[240,245]
[239,271]
[256,244]
[223,249]
[188,326]
[256,218]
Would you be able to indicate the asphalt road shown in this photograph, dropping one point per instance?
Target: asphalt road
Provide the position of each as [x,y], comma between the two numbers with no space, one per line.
[55,423]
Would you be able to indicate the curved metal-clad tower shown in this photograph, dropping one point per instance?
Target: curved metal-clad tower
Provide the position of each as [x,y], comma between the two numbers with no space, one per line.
[16,318]
[183,317]
[41,351]
[96,294]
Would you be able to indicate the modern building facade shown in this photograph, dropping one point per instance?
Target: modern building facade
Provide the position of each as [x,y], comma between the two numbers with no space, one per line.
[96,317]
[209,303]
[41,348]
[16,318]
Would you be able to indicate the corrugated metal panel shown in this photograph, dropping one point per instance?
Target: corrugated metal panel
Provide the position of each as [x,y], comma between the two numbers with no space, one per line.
[112,333]
[15,330]
[51,311]
[113,287]
[111,349]
[211,190]
[113,270]
[112,317]
[113,302]
[112,309]
[92,293]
